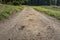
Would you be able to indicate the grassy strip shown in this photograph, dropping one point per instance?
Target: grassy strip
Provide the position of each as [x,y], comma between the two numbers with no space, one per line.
[7,10]
[50,12]
[56,8]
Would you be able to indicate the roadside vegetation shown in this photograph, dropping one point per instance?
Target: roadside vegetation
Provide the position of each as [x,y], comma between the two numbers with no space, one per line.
[7,10]
[52,11]
[8,7]
[57,8]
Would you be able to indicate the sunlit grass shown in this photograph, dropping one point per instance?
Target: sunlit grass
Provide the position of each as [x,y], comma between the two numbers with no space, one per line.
[7,10]
[55,13]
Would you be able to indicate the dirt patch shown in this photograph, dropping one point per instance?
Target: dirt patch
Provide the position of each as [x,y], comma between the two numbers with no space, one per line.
[31,20]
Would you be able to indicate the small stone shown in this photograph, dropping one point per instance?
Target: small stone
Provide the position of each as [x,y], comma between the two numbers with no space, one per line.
[9,39]
[22,27]
[38,34]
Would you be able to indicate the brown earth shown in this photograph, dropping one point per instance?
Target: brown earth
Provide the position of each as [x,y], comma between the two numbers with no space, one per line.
[30,25]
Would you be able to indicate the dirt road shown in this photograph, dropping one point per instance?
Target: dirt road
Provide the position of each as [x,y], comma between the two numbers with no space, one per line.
[30,25]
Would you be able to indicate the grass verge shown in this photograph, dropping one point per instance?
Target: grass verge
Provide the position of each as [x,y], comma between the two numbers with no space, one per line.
[48,11]
[7,10]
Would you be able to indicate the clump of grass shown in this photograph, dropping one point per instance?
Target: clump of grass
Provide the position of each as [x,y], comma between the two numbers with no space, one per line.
[50,12]
[7,10]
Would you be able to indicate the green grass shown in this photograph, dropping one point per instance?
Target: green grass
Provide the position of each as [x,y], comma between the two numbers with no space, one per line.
[56,8]
[7,10]
[47,10]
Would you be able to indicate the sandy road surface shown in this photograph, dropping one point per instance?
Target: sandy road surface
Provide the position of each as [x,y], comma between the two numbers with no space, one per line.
[30,25]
